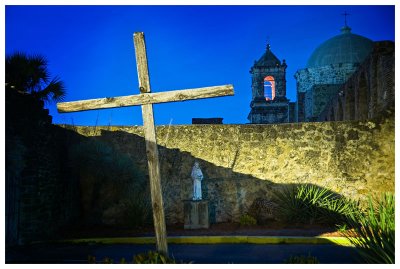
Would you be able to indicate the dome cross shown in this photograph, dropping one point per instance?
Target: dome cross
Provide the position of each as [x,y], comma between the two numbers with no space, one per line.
[345,14]
[268,44]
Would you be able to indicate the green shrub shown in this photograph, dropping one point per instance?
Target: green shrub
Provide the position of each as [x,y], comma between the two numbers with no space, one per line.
[247,220]
[91,259]
[263,210]
[106,260]
[374,230]
[308,204]
[302,259]
[152,257]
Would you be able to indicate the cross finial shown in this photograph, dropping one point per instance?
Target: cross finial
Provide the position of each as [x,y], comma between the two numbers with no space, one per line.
[268,45]
[345,14]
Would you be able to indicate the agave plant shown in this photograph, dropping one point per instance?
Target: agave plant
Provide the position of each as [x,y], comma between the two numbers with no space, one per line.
[291,208]
[337,210]
[312,204]
[375,231]
[313,198]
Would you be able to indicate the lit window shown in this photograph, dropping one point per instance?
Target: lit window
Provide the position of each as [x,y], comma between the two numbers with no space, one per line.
[269,88]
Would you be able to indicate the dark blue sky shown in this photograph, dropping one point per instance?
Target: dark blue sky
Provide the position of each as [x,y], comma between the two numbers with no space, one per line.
[91,49]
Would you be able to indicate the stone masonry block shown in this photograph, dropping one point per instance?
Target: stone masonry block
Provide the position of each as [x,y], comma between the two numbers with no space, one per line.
[196,214]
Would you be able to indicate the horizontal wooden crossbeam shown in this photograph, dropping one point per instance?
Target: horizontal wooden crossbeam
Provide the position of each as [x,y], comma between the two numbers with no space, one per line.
[146,98]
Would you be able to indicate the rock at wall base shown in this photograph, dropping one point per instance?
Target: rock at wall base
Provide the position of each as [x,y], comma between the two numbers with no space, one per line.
[196,214]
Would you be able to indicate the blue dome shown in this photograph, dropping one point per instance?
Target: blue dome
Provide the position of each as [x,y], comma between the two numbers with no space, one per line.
[343,48]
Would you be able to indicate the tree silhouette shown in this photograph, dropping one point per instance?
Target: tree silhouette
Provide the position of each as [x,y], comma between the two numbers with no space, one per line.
[30,75]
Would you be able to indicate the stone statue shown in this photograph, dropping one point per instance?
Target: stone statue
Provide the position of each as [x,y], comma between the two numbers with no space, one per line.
[197,177]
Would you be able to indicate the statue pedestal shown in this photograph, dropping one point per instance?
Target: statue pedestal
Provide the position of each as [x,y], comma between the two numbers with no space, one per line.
[196,214]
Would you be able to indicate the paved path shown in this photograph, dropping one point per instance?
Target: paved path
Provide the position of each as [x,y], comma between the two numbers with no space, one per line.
[197,253]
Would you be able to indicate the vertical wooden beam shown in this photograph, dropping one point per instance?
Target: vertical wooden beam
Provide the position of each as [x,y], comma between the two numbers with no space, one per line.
[141,62]
[151,145]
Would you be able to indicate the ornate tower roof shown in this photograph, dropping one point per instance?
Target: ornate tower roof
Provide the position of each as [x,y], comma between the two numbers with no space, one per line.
[268,59]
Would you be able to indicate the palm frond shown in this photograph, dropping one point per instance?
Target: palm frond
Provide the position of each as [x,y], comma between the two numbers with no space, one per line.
[30,74]
[54,91]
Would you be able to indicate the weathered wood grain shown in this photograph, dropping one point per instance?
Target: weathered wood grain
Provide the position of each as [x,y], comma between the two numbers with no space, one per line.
[141,62]
[151,147]
[155,179]
[146,98]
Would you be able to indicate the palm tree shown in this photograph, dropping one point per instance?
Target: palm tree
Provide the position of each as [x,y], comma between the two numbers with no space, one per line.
[29,74]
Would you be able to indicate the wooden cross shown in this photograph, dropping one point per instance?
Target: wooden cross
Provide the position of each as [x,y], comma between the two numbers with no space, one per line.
[146,99]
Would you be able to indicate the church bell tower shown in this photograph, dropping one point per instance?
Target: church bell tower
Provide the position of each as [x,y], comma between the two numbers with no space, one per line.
[269,103]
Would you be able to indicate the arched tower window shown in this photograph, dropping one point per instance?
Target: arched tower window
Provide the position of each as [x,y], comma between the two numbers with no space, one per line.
[269,88]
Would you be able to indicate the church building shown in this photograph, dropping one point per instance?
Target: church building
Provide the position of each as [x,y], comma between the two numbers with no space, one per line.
[347,77]
[328,68]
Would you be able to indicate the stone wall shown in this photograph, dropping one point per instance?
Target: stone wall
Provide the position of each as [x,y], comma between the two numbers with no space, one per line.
[369,92]
[41,197]
[309,78]
[272,111]
[317,98]
[332,74]
[244,162]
